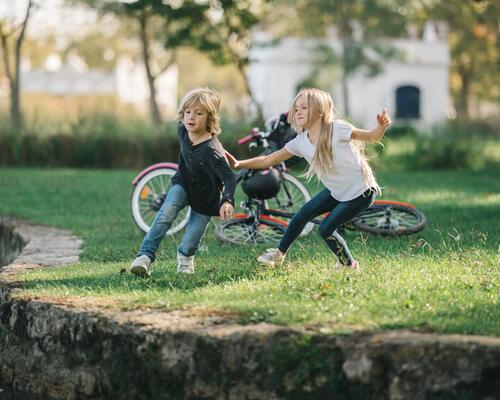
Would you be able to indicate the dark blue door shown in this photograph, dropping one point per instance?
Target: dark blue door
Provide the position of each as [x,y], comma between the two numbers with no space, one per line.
[407,102]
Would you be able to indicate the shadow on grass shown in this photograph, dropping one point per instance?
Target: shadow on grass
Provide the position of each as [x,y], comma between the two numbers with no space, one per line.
[479,319]
[105,278]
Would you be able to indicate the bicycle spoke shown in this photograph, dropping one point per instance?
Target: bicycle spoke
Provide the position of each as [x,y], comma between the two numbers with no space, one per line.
[241,232]
[237,231]
[390,220]
[244,232]
[154,185]
[406,223]
[162,183]
[371,214]
[149,216]
[270,235]
[144,207]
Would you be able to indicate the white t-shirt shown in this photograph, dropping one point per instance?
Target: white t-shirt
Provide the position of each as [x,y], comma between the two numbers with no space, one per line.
[344,180]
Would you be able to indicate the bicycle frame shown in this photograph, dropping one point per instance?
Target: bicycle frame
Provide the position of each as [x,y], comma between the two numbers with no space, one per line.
[263,212]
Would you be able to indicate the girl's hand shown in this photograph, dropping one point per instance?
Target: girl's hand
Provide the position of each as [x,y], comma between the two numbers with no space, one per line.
[233,162]
[226,210]
[383,119]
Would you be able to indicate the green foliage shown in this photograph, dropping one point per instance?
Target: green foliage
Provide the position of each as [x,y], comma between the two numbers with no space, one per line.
[457,144]
[223,32]
[103,141]
[403,130]
[449,146]
[90,142]
[473,36]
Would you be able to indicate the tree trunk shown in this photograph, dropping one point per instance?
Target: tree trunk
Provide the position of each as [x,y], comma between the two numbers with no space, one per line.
[155,114]
[345,94]
[345,78]
[463,106]
[15,78]
[15,106]
[260,115]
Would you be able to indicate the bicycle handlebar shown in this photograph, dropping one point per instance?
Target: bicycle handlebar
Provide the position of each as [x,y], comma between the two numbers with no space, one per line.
[245,139]
[254,133]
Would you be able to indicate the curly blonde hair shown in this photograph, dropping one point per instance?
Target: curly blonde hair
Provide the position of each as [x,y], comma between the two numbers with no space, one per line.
[207,99]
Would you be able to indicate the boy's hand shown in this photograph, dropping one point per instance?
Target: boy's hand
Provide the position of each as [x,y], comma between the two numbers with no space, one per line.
[383,119]
[226,210]
[233,162]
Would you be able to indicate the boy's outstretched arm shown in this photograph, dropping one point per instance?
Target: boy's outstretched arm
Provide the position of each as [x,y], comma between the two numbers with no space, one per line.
[222,170]
[260,162]
[376,134]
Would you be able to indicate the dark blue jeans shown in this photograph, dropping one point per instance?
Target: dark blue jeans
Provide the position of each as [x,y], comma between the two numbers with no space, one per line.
[339,213]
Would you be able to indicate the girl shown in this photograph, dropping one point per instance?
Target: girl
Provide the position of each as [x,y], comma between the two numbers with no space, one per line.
[203,173]
[334,150]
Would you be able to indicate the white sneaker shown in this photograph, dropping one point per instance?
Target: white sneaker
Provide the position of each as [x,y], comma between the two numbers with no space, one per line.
[141,266]
[185,264]
[354,265]
[271,257]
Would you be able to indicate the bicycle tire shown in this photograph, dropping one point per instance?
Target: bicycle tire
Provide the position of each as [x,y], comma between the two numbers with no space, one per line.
[390,219]
[146,191]
[292,182]
[268,231]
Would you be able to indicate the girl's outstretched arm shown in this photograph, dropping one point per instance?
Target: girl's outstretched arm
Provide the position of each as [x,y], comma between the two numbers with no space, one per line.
[376,134]
[260,162]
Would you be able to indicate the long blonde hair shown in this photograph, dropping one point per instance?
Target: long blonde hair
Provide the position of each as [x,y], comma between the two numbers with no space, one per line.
[209,100]
[320,105]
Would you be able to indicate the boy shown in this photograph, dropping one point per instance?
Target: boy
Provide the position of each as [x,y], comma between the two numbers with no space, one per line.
[204,182]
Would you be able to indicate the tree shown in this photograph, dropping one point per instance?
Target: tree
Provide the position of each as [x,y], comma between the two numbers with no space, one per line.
[12,35]
[223,31]
[151,28]
[220,29]
[475,55]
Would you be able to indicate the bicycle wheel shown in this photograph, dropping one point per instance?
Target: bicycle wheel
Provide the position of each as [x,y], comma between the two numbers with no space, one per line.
[291,197]
[390,219]
[245,230]
[148,197]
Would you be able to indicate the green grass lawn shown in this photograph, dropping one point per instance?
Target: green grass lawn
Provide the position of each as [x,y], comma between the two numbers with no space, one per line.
[445,278]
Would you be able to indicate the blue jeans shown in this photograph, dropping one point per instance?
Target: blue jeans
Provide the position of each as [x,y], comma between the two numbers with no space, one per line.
[340,213]
[175,201]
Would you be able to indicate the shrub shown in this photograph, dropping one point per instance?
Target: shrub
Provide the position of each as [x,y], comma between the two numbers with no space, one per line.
[102,141]
[105,147]
[449,146]
[403,130]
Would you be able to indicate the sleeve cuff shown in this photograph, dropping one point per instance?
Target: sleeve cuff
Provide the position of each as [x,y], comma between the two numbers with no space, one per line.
[224,199]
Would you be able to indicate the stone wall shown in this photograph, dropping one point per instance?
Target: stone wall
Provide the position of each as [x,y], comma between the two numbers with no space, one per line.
[56,351]
[11,243]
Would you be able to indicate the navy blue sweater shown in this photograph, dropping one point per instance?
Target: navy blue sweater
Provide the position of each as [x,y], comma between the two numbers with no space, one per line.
[204,174]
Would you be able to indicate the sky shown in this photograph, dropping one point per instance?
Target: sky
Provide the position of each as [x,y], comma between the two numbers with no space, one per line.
[48,15]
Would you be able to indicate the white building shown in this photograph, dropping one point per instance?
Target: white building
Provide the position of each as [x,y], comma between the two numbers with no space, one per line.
[127,82]
[413,87]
